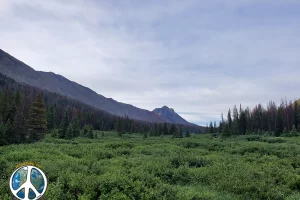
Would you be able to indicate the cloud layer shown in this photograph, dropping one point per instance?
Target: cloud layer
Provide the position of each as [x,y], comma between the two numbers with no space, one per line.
[197,57]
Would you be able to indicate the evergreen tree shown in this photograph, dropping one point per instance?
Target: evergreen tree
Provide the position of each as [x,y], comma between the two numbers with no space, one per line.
[63,126]
[211,128]
[187,133]
[285,131]
[51,118]
[229,120]
[19,131]
[18,99]
[294,131]
[8,133]
[2,133]
[76,128]
[215,127]
[37,123]
[155,129]
[69,133]
[90,132]
[243,123]
[206,128]
[172,130]
[4,106]
[279,123]
[85,131]
[226,130]
[160,129]
[180,134]
[165,129]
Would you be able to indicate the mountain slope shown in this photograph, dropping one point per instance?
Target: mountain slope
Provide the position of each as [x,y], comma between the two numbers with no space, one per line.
[169,115]
[52,82]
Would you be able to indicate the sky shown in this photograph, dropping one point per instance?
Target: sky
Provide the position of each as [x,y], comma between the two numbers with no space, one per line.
[199,57]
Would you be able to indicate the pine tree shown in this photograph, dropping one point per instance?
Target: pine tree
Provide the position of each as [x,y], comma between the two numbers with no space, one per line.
[165,129]
[187,133]
[8,133]
[2,134]
[76,128]
[160,129]
[279,123]
[69,133]
[211,128]
[18,99]
[37,123]
[180,134]
[215,127]
[226,130]
[4,106]
[63,126]
[90,132]
[229,120]
[51,118]
[85,131]
[19,126]
[172,130]
[294,131]
[243,123]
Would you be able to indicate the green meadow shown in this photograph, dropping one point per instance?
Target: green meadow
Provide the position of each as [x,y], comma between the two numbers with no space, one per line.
[132,167]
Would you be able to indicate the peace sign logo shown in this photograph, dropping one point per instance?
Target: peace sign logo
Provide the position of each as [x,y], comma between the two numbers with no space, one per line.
[28,183]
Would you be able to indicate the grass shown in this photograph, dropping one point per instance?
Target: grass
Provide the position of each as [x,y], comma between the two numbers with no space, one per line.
[201,167]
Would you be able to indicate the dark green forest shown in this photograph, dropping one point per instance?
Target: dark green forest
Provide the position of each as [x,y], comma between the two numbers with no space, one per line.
[27,114]
[282,120]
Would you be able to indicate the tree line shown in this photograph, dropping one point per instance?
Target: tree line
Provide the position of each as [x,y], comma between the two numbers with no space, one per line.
[282,120]
[27,114]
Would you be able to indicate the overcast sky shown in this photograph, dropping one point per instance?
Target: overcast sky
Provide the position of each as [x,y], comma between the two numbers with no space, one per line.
[199,57]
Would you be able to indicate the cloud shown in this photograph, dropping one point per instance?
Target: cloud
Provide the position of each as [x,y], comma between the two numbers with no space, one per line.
[189,55]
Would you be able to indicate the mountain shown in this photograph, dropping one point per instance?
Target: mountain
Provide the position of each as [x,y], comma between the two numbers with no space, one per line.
[52,82]
[169,115]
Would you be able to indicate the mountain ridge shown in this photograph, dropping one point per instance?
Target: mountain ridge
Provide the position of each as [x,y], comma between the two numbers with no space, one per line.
[21,72]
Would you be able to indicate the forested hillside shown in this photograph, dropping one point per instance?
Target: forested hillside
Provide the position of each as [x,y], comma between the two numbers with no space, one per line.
[28,113]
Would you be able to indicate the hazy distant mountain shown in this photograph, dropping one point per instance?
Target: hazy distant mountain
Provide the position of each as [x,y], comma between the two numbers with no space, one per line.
[169,115]
[21,72]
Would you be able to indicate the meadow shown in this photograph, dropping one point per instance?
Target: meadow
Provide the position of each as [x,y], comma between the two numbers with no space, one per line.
[132,167]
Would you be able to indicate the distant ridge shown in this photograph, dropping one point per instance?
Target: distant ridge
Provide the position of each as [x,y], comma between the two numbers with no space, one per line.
[52,82]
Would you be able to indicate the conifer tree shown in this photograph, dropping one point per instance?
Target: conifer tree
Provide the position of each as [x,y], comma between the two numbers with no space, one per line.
[226,130]
[215,127]
[85,130]
[243,123]
[160,129]
[229,120]
[90,132]
[19,126]
[211,128]
[63,126]
[165,129]
[180,134]
[296,114]
[4,106]
[37,123]
[172,130]
[187,133]
[279,123]
[294,131]
[51,118]
[76,128]
[69,133]
[8,133]
[2,129]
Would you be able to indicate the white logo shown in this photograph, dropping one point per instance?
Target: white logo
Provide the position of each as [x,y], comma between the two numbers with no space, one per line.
[28,183]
